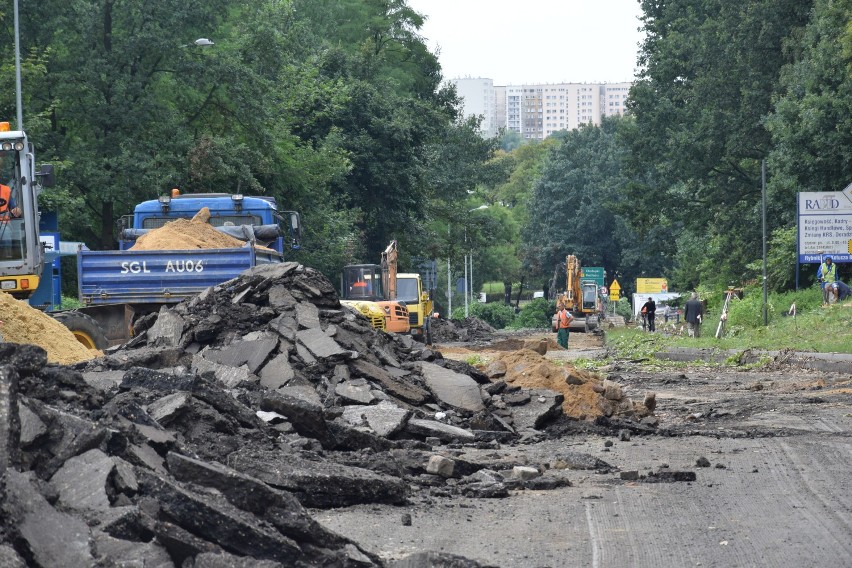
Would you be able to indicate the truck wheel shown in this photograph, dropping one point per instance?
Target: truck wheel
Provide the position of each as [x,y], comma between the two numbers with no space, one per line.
[85,329]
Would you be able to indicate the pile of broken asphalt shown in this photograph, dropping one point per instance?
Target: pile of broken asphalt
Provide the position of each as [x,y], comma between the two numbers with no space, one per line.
[205,440]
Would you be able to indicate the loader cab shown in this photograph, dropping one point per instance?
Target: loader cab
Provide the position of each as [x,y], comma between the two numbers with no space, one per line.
[362,282]
[21,251]
[590,297]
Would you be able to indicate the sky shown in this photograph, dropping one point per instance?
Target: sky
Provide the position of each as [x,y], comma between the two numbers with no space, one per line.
[534,41]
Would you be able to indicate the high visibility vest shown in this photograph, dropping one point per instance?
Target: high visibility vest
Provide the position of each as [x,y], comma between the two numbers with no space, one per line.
[829,274]
[565,319]
[5,199]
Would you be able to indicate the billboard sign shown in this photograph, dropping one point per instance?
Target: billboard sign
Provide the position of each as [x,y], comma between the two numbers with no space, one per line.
[825,224]
[652,286]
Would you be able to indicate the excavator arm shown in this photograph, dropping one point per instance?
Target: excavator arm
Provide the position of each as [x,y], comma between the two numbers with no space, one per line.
[390,259]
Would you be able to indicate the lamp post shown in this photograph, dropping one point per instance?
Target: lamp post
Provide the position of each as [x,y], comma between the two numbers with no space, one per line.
[468,257]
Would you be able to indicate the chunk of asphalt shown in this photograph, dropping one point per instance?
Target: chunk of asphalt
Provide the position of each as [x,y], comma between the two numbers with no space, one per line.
[121,552]
[318,483]
[82,480]
[440,430]
[54,538]
[385,418]
[9,423]
[217,520]
[453,389]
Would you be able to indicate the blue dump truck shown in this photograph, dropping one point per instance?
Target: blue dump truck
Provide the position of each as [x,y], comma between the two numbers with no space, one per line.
[117,286]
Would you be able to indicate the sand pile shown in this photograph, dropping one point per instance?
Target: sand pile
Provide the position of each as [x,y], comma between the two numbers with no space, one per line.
[26,325]
[587,395]
[183,234]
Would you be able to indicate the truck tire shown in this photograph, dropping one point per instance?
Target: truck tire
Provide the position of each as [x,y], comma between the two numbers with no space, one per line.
[85,329]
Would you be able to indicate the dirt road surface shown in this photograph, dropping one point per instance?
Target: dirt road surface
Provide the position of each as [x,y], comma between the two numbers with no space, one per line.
[773,489]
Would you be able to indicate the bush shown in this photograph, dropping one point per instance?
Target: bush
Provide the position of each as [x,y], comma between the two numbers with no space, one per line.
[535,314]
[497,314]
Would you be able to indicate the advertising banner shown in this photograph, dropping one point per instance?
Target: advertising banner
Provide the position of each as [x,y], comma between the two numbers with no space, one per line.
[825,224]
[651,286]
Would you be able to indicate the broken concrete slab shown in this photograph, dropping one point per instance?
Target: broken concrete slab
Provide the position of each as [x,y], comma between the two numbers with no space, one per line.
[385,418]
[357,391]
[130,553]
[453,389]
[307,315]
[81,481]
[281,298]
[319,344]
[164,410]
[103,380]
[403,390]
[319,483]
[306,416]
[217,520]
[229,377]
[440,465]
[277,372]
[54,538]
[9,558]
[167,330]
[280,508]
[544,405]
[253,354]
[440,430]
[9,422]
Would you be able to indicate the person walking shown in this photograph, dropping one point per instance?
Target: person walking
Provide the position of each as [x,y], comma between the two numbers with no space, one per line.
[693,312]
[563,325]
[649,308]
[826,274]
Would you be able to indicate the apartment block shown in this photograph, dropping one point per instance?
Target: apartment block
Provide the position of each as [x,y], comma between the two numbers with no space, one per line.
[537,111]
[479,98]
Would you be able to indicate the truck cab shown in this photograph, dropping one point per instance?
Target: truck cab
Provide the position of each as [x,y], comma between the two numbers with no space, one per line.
[270,226]
[362,288]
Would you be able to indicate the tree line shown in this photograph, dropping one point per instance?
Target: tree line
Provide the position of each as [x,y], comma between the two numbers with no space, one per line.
[338,109]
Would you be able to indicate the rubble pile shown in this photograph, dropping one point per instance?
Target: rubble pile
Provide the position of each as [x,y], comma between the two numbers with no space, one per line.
[463,330]
[203,440]
[21,323]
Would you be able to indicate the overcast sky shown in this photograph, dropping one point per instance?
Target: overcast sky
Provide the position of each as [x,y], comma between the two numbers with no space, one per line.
[534,41]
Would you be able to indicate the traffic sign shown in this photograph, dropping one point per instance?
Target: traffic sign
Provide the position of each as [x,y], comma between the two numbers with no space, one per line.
[614,291]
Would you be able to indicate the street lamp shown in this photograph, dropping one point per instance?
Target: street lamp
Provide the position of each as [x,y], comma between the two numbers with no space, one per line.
[469,257]
[200,42]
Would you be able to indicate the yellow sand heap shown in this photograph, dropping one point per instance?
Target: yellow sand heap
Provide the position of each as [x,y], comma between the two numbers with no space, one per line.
[187,234]
[24,324]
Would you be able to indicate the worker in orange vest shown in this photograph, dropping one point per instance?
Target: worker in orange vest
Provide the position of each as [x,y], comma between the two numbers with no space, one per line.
[563,325]
[8,209]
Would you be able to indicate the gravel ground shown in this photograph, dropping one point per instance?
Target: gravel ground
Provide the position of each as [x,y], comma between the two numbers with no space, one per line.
[774,491]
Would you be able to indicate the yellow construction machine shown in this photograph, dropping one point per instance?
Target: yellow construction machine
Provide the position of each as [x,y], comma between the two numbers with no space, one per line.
[581,297]
[368,289]
[407,288]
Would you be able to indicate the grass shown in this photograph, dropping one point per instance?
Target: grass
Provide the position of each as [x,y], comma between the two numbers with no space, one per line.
[815,328]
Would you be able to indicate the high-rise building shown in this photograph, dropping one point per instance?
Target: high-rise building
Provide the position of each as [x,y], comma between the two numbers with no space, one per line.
[479,98]
[536,111]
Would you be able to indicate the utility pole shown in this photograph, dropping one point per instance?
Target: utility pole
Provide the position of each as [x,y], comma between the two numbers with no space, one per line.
[18,71]
[763,204]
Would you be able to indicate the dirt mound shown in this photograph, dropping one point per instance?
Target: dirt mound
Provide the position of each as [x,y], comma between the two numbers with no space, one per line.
[23,324]
[587,395]
[187,234]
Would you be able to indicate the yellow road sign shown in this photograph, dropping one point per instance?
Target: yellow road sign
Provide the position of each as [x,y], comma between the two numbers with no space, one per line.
[614,291]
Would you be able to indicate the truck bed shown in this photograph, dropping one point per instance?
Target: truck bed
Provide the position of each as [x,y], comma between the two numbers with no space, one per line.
[160,276]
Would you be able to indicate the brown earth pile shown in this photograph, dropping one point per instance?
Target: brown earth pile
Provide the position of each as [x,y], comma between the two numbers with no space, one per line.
[183,234]
[584,392]
[23,324]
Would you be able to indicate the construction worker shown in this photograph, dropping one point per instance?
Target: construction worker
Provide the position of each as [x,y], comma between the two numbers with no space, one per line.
[649,308]
[827,274]
[563,325]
